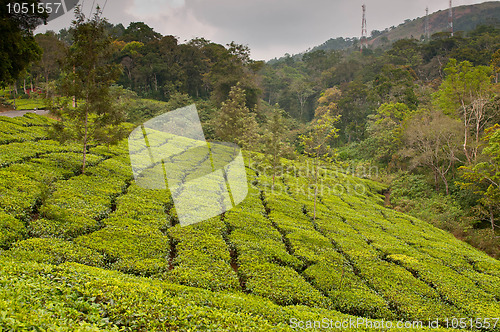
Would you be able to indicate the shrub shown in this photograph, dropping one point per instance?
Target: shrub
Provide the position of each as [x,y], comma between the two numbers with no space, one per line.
[11,230]
[54,251]
[19,194]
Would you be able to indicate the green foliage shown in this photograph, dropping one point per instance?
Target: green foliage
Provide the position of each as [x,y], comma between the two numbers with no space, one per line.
[432,140]
[19,194]
[317,142]
[385,129]
[75,297]
[11,230]
[18,48]
[274,139]
[198,247]
[410,186]
[484,177]
[81,201]
[54,251]
[87,77]
[464,94]
[235,122]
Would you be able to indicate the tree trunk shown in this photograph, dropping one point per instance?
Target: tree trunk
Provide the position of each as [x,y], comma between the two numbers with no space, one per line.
[466,133]
[492,219]
[446,186]
[74,98]
[15,95]
[274,172]
[85,141]
[47,87]
[315,189]
[436,181]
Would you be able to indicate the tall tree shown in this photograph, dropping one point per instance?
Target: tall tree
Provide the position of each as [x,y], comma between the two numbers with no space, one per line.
[87,76]
[303,91]
[18,47]
[484,176]
[432,140]
[495,65]
[385,130]
[140,32]
[53,52]
[466,92]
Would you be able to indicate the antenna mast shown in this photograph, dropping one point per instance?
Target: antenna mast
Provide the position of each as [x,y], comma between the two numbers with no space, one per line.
[427,32]
[450,19]
[364,33]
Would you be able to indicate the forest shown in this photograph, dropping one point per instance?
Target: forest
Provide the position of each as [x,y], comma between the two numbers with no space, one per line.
[391,212]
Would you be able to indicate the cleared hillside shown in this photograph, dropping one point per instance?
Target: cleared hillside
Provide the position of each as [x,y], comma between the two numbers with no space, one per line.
[96,251]
[465,18]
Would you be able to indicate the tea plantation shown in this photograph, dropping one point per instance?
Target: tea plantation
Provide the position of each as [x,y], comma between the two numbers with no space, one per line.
[96,252]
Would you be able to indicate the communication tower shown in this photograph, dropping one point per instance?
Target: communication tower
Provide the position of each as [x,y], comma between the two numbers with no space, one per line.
[364,33]
[450,19]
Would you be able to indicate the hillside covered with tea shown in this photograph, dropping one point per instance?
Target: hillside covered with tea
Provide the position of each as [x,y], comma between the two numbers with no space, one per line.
[94,251]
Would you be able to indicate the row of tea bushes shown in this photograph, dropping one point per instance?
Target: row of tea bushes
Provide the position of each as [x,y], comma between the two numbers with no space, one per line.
[407,296]
[326,268]
[79,204]
[452,286]
[265,265]
[330,272]
[19,195]
[441,246]
[131,238]
[30,127]
[404,294]
[54,251]
[69,207]
[73,297]
[28,120]
[202,258]
[23,152]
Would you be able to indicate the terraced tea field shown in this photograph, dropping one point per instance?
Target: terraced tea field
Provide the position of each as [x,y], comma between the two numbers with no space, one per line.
[95,251]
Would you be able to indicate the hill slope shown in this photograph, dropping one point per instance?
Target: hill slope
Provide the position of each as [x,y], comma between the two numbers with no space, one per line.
[466,18]
[96,252]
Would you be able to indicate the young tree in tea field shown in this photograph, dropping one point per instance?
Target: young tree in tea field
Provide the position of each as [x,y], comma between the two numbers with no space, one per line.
[316,144]
[87,77]
[234,122]
[274,140]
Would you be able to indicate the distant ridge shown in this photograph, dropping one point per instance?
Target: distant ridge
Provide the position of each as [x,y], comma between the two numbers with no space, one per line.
[466,18]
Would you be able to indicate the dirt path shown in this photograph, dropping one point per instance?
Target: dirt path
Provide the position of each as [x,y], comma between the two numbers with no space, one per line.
[13,114]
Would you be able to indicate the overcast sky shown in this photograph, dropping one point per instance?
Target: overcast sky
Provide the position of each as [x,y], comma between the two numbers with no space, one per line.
[270,28]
